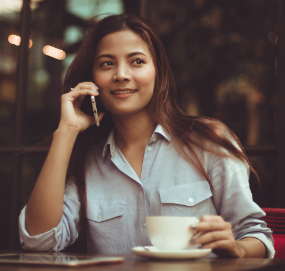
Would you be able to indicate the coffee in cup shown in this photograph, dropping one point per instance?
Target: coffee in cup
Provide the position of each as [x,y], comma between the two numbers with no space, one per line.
[170,232]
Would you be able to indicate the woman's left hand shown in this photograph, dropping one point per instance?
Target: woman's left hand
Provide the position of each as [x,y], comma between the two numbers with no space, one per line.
[217,235]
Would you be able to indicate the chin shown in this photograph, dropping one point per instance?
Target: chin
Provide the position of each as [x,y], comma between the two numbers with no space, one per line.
[127,112]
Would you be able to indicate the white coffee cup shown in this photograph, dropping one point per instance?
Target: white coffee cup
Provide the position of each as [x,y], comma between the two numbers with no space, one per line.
[170,232]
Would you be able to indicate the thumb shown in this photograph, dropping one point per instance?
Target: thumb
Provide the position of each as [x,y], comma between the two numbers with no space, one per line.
[92,121]
[101,115]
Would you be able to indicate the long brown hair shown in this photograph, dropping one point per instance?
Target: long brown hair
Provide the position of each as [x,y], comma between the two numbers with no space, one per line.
[185,131]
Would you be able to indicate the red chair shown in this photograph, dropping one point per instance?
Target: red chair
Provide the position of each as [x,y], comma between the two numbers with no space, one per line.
[275,219]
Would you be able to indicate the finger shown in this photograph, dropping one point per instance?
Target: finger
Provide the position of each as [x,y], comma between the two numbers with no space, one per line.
[93,84]
[211,226]
[86,85]
[212,236]
[78,96]
[85,91]
[225,245]
[205,218]
[80,92]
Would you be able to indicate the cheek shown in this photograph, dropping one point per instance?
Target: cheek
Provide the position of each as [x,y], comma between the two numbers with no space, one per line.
[146,78]
[101,80]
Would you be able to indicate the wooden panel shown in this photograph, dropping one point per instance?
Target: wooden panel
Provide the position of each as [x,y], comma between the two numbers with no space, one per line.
[280,199]
[22,77]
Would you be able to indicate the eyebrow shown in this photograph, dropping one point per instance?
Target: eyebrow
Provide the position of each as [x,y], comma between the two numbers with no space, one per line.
[129,55]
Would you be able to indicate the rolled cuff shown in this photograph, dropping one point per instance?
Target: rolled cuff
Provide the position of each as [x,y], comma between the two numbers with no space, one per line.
[43,242]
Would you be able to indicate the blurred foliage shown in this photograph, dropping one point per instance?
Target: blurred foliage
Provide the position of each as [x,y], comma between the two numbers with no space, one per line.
[224,58]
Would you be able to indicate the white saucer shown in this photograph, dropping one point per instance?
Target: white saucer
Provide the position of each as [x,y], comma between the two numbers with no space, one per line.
[153,252]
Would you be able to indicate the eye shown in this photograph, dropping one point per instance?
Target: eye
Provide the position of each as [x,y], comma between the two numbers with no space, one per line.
[139,61]
[106,64]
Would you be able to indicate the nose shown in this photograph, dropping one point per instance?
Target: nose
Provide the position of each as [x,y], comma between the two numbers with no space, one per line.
[121,74]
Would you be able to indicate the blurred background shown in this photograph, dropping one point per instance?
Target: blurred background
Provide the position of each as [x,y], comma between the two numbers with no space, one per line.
[223,54]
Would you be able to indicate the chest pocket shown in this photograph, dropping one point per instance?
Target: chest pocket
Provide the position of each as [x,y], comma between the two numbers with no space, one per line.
[106,223]
[100,211]
[193,199]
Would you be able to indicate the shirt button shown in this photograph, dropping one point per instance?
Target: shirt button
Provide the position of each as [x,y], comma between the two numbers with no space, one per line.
[143,225]
[153,139]
[149,148]
[190,200]
[99,216]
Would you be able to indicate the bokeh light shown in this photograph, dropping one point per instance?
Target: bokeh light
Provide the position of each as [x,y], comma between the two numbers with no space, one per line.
[54,52]
[16,40]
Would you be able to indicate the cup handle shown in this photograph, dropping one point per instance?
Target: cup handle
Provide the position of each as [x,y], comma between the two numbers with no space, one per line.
[196,235]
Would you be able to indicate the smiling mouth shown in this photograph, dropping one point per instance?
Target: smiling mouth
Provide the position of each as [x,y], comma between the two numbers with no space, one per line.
[118,92]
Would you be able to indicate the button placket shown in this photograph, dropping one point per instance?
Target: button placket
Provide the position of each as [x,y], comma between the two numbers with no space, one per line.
[150,151]
[191,200]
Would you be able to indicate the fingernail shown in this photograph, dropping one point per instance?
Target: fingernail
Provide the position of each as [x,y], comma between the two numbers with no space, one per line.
[192,242]
[96,91]
[193,226]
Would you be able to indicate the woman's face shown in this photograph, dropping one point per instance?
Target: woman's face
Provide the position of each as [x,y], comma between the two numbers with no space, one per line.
[124,72]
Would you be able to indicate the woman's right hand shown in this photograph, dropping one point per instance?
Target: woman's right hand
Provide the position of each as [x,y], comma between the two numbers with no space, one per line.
[45,206]
[71,115]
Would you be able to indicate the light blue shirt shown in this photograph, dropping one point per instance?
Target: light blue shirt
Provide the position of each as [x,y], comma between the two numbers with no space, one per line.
[118,200]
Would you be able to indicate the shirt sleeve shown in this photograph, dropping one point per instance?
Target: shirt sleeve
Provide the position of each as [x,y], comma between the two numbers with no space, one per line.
[233,200]
[59,237]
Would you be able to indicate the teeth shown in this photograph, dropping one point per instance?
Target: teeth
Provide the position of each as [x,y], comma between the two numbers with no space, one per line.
[124,91]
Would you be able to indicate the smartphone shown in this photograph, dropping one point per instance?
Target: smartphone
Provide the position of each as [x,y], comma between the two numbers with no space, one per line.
[95,112]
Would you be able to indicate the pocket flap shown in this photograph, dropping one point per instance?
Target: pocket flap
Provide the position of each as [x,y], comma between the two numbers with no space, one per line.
[186,194]
[103,210]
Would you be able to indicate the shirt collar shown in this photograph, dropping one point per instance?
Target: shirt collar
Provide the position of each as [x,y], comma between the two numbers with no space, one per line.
[159,130]
[110,142]
[111,138]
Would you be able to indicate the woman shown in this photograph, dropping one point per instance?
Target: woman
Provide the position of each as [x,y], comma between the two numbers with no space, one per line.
[146,157]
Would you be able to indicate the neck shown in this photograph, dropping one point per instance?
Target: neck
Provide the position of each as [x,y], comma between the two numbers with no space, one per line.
[133,130]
